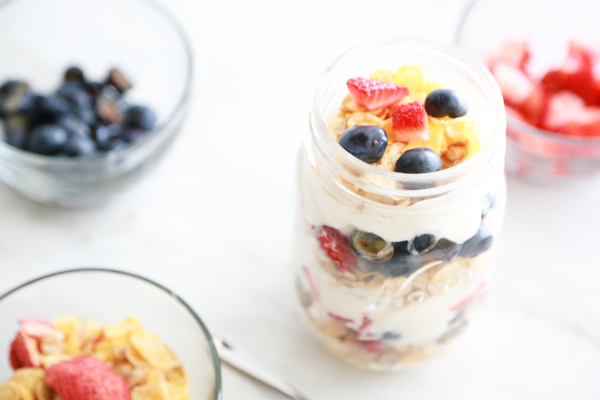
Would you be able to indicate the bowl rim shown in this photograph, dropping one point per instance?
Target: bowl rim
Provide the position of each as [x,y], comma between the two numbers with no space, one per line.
[216,360]
[179,108]
[512,122]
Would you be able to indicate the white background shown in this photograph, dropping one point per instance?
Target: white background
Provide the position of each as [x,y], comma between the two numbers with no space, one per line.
[214,220]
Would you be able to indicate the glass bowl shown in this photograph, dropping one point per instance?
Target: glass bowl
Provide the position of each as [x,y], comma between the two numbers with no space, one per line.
[39,39]
[108,297]
[547,25]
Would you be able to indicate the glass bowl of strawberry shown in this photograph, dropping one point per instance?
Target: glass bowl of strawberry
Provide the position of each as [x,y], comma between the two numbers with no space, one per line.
[401,201]
[548,68]
[92,94]
[107,335]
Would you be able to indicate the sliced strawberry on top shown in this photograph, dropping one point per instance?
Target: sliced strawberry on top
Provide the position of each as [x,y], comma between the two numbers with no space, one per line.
[337,246]
[24,351]
[15,362]
[41,329]
[409,122]
[561,109]
[512,52]
[371,346]
[373,95]
[514,84]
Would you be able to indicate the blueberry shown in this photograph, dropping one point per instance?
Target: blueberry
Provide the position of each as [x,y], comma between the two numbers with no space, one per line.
[115,144]
[47,139]
[370,246]
[132,135]
[74,74]
[15,97]
[140,117]
[419,161]
[480,243]
[75,126]
[445,103]
[421,244]
[94,88]
[103,134]
[15,131]
[391,336]
[445,250]
[75,93]
[402,263]
[47,109]
[109,106]
[365,142]
[79,146]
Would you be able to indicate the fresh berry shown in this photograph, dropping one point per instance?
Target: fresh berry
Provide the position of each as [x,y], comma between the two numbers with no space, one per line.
[140,117]
[41,329]
[47,139]
[79,146]
[409,122]
[373,95]
[391,336]
[15,362]
[421,244]
[371,346]
[586,123]
[516,87]
[480,243]
[110,106]
[74,74]
[115,144]
[75,94]
[446,103]
[370,246]
[512,52]
[75,126]
[445,250]
[118,80]
[87,378]
[15,97]
[365,142]
[534,107]
[48,109]
[419,161]
[15,137]
[103,134]
[24,351]
[402,263]
[337,246]
[132,135]
[561,109]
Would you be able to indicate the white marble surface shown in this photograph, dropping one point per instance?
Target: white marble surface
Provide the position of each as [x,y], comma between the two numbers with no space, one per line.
[213,221]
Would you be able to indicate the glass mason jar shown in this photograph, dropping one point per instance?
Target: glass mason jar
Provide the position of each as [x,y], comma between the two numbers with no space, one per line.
[386,315]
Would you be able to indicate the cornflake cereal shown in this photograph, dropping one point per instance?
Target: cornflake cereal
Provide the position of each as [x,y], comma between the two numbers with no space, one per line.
[148,368]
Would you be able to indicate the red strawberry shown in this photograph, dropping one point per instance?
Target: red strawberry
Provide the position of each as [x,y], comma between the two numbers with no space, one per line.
[562,108]
[339,319]
[337,246]
[41,329]
[372,346]
[410,122]
[576,75]
[87,378]
[512,52]
[514,84]
[585,123]
[373,95]
[533,109]
[24,351]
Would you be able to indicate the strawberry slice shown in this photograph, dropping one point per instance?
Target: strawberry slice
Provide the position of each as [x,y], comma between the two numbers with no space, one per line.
[533,109]
[371,346]
[512,52]
[410,122]
[337,246]
[576,75]
[373,95]
[561,109]
[514,84]
[585,123]
[41,329]
[24,351]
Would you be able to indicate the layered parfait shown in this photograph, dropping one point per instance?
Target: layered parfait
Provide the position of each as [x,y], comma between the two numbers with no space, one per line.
[389,276]
[72,358]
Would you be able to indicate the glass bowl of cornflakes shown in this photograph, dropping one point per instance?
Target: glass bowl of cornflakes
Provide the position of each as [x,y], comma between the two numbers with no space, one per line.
[151,340]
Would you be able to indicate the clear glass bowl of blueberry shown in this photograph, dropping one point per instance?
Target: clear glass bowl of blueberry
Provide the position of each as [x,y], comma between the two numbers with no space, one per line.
[91,94]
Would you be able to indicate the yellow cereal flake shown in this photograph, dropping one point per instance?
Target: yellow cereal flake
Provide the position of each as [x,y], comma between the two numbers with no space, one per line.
[410,76]
[383,76]
[158,390]
[69,325]
[430,86]
[363,118]
[156,353]
[126,327]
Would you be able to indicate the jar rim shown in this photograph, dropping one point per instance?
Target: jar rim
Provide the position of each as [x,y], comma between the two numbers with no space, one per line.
[456,175]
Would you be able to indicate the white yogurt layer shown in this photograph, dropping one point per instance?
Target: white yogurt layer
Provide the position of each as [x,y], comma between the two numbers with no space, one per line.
[457,225]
